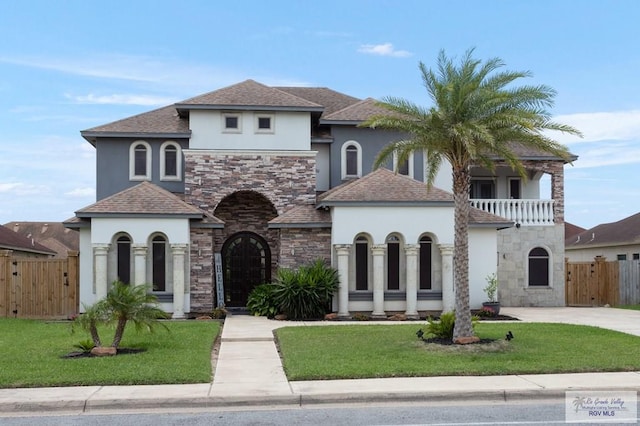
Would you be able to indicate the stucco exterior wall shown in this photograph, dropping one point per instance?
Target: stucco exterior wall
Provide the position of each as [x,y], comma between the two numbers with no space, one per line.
[514,245]
[291,131]
[609,253]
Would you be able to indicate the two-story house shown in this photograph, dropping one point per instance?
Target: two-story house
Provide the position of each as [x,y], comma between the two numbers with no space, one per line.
[206,198]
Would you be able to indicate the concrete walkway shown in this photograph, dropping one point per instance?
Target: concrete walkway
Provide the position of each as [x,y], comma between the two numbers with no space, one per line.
[249,373]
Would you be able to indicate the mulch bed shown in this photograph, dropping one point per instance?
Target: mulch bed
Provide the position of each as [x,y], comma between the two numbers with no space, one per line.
[121,351]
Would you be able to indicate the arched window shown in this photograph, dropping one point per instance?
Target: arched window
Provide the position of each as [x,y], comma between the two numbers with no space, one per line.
[123,245]
[170,161]
[159,263]
[393,263]
[538,267]
[404,168]
[426,263]
[362,263]
[140,161]
[351,160]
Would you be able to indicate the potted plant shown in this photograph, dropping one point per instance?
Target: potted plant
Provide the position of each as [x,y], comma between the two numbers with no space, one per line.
[491,291]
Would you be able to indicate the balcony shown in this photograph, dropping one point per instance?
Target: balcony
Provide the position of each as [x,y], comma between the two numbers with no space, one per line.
[525,212]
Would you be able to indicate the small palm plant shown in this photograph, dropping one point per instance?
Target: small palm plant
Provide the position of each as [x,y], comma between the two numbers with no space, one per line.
[122,304]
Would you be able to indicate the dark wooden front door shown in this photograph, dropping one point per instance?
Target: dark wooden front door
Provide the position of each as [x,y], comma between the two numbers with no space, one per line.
[247,263]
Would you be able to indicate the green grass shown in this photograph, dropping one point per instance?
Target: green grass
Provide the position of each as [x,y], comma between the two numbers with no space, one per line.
[31,355]
[351,351]
[633,307]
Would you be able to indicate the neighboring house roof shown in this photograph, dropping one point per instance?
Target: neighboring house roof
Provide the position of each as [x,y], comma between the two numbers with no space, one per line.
[622,232]
[303,216]
[248,94]
[10,240]
[571,230]
[331,100]
[53,235]
[144,199]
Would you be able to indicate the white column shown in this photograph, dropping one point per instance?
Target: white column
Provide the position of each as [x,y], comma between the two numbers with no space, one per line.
[100,252]
[448,295]
[178,251]
[411,253]
[139,264]
[342,252]
[377,252]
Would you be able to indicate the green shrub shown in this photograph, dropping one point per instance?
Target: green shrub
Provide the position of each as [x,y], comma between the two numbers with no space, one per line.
[305,293]
[261,301]
[443,327]
[84,345]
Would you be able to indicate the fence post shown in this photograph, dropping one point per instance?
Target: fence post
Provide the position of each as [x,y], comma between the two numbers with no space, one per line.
[5,282]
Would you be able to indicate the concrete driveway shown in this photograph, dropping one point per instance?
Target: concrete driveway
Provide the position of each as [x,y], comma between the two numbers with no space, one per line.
[625,320]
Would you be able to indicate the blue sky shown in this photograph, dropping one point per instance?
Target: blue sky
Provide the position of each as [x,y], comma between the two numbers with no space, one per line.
[66,66]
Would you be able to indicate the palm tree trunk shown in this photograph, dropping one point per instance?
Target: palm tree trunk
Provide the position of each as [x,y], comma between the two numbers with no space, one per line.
[461,183]
[93,330]
[117,337]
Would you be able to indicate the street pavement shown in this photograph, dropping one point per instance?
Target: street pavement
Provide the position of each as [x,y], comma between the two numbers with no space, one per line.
[248,372]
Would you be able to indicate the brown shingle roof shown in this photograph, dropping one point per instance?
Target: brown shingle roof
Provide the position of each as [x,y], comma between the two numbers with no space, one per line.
[331,100]
[303,216]
[164,120]
[385,186]
[357,112]
[249,93]
[142,199]
[53,235]
[10,240]
[622,232]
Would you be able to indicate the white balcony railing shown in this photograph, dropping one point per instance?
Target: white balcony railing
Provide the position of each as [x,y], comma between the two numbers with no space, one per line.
[523,212]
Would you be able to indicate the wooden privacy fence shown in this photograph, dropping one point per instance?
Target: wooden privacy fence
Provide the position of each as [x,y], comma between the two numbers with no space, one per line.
[38,287]
[599,282]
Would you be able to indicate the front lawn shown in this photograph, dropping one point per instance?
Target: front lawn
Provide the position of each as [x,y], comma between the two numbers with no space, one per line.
[31,355]
[632,307]
[361,351]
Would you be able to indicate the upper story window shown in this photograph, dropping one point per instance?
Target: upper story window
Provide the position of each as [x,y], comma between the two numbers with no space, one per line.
[482,188]
[140,161]
[170,161]
[515,188]
[231,123]
[265,123]
[351,160]
[404,168]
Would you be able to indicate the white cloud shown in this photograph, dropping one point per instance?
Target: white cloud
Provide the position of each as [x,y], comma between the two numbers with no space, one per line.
[121,99]
[81,192]
[21,189]
[600,126]
[385,49]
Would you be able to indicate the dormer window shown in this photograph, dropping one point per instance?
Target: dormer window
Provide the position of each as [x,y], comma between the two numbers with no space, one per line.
[140,161]
[351,160]
[264,123]
[231,123]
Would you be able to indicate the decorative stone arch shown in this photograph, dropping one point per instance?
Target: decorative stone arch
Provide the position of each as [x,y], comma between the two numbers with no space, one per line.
[246,215]
[246,260]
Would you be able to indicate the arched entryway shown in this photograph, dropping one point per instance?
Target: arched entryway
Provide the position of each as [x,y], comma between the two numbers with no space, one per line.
[246,261]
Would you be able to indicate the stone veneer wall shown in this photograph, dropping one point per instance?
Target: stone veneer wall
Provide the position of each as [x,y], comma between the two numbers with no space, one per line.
[286,179]
[300,246]
[201,258]
[514,245]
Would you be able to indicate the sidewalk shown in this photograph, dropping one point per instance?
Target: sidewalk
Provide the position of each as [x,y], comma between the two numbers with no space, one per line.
[249,373]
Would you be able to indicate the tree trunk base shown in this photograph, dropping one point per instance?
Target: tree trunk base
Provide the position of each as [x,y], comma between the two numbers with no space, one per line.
[466,340]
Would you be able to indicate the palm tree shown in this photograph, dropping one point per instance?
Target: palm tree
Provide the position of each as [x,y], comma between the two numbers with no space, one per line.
[477,116]
[132,303]
[122,304]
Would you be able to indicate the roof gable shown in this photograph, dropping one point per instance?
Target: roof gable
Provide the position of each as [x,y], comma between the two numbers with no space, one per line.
[142,199]
[249,94]
[331,100]
[357,112]
[622,232]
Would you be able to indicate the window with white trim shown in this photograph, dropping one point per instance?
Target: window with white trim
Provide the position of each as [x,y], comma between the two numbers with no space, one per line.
[140,161]
[362,263]
[426,263]
[393,263]
[264,123]
[159,263]
[351,160]
[231,123]
[539,267]
[123,256]
[405,168]
[170,161]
